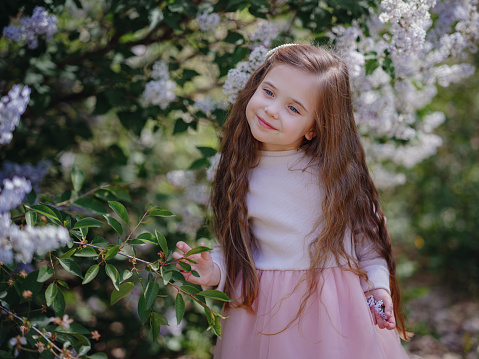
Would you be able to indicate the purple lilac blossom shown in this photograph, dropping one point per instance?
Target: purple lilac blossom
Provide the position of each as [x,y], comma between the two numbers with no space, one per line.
[40,23]
[12,106]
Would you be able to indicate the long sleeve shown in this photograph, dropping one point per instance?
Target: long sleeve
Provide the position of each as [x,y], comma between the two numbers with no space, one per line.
[375,266]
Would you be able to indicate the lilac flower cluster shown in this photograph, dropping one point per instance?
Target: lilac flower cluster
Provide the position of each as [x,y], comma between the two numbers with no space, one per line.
[265,33]
[40,23]
[208,22]
[18,244]
[378,306]
[33,173]
[208,105]
[159,91]
[238,77]
[13,192]
[12,107]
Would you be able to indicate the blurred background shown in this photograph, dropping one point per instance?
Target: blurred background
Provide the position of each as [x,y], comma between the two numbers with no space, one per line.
[135,92]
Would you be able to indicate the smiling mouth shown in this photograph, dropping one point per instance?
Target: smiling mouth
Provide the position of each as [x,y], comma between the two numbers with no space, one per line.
[265,124]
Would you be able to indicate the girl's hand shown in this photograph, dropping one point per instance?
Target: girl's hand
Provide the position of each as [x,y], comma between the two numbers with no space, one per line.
[209,271]
[382,294]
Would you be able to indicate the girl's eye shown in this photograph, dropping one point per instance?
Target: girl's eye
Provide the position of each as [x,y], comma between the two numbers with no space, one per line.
[268,92]
[294,109]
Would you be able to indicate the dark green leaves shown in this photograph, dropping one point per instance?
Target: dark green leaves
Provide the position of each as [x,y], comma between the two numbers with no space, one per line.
[91,273]
[156,321]
[215,294]
[112,272]
[179,308]
[71,266]
[197,250]
[162,242]
[45,273]
[124,290]
[120,210]
[151,292]
[78,177]
[87,222]
[51,293]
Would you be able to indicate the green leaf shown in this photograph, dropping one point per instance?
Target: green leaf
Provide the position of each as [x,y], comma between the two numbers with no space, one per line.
[112,272]
[217,327]
[98,356]
[148,237]
[71,266]
[114,224]
[120,210]
[78,177]
[197,250]
[190,289]
[162,242]
[112,252]
[161,213]
[371,65]
[215,294]
[125,289]
[59,304]
[99,241]
[75,328]
[143,313]
[51,293]
[207,151]
[91,204]
[86,252]
[136,242]
[69,253]
[151,292]
[186,267]
[126,274]
[180,126]
[195,274]
[48,211]
[156,321]
[179,307]
[31,218]
[45,273]
[199,163]
[91,273]
[63,283]
[88,222]
[167,275]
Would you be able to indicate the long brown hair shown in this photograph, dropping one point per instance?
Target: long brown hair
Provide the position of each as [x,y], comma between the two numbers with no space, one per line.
[350,201]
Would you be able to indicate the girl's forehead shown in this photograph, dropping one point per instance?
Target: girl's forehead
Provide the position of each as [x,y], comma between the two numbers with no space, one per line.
[293,82]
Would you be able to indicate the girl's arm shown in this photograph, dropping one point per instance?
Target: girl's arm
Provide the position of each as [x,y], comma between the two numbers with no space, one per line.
[208,270]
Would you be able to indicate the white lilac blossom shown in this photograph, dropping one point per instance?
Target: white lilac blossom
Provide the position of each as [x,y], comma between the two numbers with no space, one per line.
[409,23]
[238,76]
[211,171]
[161,90]
[21,244]
[40,23]
[447,74]
[208,22]
[265,33]
[378,306]
[13,192]
[180,178]
[208,104]
[30,172]
[12,106]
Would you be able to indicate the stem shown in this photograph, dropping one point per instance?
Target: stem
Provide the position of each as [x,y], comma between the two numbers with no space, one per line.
[83,195]
[134,229]
[123,254]
[35,329]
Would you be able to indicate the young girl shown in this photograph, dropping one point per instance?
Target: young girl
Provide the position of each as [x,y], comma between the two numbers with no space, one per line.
[302,238]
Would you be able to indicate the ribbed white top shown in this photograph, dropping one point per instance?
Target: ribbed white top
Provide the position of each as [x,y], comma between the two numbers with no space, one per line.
[284,205]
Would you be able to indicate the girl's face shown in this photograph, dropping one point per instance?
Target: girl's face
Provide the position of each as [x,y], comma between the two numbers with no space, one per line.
[281,112]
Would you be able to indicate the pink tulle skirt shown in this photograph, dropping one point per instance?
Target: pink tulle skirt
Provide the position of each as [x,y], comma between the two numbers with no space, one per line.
[336,323]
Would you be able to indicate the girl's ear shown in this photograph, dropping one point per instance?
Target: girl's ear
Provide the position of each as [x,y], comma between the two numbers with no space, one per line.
[310,134]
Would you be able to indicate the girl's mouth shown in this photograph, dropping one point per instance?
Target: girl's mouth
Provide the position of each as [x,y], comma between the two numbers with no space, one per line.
[265,124]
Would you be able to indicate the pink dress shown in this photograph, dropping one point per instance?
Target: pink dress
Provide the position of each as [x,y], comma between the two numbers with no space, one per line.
[336,324]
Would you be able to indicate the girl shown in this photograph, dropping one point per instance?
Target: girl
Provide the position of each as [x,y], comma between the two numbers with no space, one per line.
[302,238]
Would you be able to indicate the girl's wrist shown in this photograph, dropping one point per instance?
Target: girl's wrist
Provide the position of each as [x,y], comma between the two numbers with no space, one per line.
[216,277]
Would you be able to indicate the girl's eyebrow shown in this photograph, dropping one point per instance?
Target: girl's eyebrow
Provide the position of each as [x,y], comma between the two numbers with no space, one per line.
[275,88]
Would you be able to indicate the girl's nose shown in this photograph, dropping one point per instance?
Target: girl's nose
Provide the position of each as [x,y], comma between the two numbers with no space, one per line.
[271,112]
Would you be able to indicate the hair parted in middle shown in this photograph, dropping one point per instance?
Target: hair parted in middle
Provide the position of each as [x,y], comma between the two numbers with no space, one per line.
[350,197]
